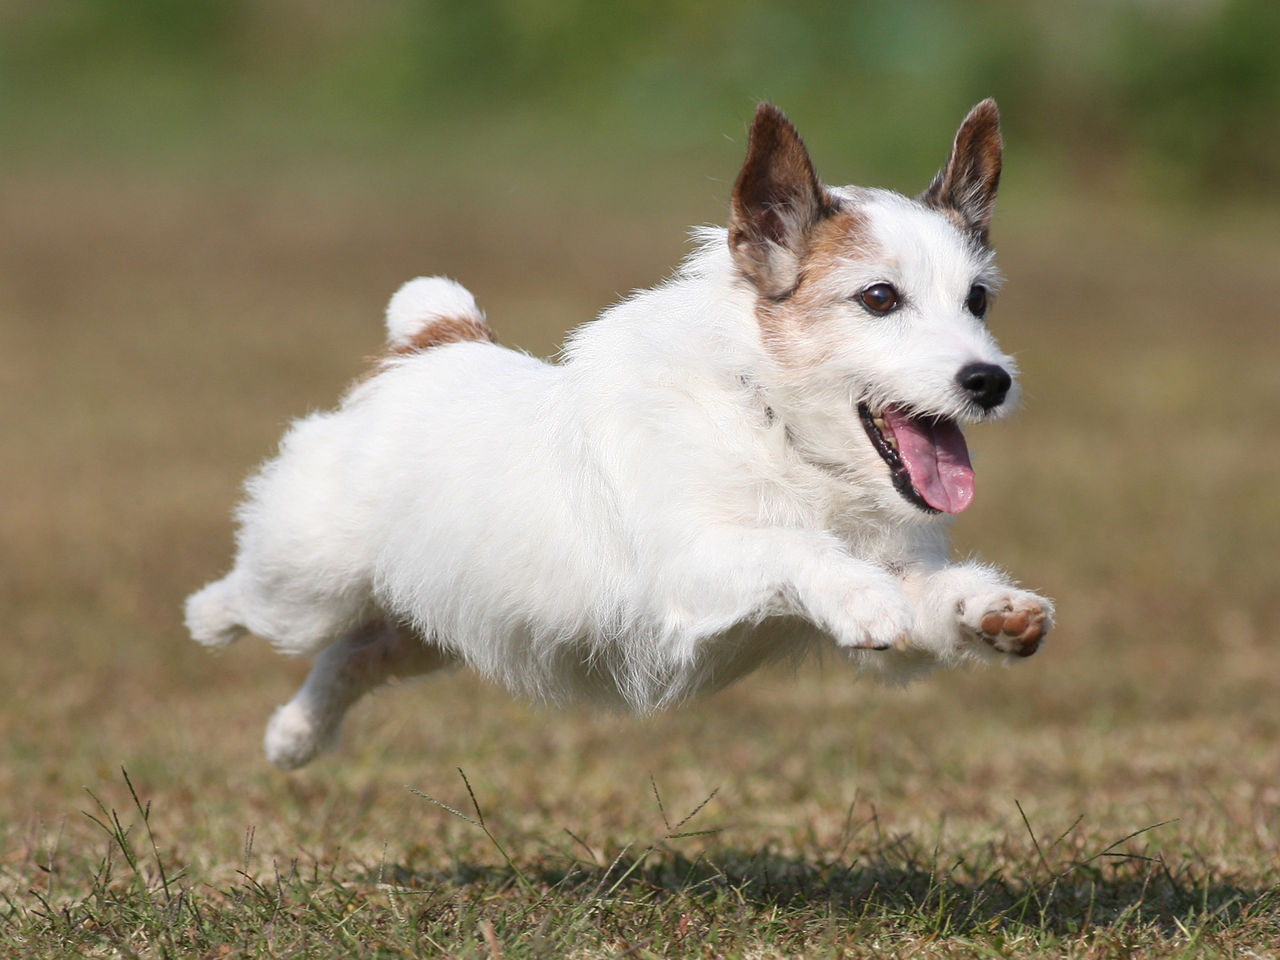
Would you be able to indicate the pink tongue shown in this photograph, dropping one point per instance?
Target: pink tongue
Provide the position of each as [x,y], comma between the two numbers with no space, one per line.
[936,459]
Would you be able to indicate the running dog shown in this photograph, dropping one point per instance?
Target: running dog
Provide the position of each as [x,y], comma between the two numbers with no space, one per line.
[752,461]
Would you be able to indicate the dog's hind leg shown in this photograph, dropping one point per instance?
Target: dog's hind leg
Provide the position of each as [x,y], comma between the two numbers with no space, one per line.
[366,657]
[297,611]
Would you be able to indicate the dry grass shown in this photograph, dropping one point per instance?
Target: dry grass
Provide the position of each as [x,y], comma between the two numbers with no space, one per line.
[1114,796]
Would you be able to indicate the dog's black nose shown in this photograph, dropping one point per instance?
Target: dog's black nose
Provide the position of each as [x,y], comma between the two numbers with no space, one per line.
[985,383]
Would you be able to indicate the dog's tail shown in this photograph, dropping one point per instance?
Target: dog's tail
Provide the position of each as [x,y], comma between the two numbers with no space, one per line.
[211,616]
[431,311]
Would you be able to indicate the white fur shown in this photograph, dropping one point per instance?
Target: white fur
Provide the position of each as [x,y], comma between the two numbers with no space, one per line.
[657,514]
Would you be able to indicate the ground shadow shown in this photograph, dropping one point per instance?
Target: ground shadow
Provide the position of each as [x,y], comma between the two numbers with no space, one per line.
[883,886]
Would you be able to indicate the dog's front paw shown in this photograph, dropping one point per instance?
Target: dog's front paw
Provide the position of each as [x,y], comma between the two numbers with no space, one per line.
[1013,621]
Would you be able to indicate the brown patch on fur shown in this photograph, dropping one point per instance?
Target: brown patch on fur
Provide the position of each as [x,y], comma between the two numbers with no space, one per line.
[843,237]
[445,330]
[788,324]
[434,334]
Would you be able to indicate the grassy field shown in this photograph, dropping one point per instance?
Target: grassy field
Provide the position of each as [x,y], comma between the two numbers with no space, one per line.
[1115,796]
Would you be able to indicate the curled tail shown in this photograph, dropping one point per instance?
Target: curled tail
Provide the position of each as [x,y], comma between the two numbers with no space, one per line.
[431,311]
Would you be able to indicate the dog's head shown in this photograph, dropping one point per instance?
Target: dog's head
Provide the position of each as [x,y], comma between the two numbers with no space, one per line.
[872,308]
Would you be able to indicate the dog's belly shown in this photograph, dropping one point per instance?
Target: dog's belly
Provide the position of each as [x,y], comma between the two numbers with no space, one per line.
[631,673]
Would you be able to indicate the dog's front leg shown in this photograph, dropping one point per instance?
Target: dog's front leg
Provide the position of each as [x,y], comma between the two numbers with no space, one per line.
[734,574]
[973,608]
[857,602]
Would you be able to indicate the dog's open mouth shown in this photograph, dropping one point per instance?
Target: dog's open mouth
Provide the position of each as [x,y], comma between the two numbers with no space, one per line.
[927,457]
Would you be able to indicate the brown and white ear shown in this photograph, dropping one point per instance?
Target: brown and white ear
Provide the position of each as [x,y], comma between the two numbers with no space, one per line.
[967,184]
[777,200]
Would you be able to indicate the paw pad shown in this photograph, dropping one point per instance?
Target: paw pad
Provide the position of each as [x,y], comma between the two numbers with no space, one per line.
[1015,630]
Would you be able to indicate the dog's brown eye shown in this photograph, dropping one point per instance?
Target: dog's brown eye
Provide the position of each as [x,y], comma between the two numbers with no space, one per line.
[879,297]
[977,300]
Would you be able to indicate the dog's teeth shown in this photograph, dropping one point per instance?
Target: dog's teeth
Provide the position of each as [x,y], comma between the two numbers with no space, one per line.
[878,420]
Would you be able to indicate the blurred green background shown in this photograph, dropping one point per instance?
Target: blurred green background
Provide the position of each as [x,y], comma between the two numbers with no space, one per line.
[1169,99]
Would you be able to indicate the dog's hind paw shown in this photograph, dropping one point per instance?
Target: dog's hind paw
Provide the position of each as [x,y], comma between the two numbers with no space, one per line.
[295,737]
[1013,622]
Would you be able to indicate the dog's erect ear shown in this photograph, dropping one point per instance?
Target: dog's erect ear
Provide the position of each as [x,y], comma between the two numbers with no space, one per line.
[777,200]
[967,184]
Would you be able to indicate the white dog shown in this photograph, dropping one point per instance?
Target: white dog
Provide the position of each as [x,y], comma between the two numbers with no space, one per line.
[766,444]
